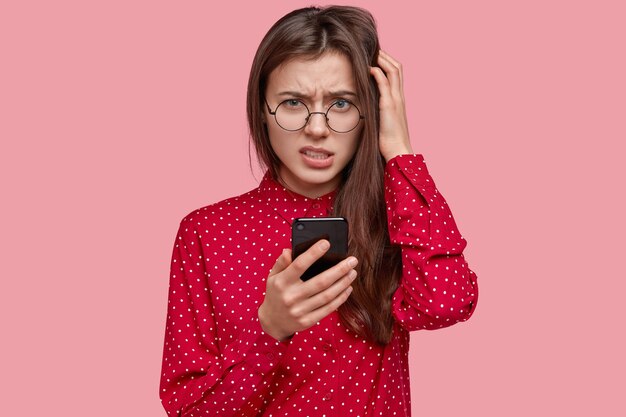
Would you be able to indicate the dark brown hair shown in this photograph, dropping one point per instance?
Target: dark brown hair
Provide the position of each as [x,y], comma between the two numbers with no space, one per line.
[308,33]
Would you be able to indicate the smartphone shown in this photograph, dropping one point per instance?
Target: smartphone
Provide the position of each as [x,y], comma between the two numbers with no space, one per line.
[306,231]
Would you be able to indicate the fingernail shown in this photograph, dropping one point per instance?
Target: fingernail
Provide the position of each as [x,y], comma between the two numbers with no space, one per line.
[353,275]
[349,290]
[352,262]
[324,244]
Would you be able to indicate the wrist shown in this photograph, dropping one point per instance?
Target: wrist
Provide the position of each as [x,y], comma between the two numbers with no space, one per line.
[405,150]
[268,328]
[390,148]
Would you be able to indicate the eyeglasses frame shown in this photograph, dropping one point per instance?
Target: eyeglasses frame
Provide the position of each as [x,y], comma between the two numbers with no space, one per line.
[273,113]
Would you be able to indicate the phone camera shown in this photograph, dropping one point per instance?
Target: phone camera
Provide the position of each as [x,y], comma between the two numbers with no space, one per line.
[300,226]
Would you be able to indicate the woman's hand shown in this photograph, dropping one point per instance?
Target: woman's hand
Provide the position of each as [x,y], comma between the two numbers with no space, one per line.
[292,305]
[394,130]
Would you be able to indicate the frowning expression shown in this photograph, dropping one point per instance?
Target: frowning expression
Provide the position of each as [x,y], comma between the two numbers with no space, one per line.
[313,157]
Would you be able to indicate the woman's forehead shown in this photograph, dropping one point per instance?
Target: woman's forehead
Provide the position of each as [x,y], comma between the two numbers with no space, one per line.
[327,74]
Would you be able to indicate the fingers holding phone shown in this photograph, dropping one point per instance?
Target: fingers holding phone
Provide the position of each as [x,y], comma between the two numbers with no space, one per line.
[326,292]
[291,304]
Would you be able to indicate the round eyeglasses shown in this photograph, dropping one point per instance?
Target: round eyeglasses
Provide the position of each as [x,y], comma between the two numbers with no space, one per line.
[292,114]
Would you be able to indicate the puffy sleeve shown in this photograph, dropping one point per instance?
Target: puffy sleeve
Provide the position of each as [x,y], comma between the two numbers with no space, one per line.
[199,376]
[437,288]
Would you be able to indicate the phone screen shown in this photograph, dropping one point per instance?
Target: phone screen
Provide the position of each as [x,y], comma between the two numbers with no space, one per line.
[306,231]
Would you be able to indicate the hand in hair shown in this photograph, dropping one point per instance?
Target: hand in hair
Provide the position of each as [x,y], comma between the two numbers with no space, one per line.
[394,130]
[293,305]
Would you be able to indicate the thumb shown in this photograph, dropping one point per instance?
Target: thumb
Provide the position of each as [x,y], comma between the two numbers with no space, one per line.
[283,261]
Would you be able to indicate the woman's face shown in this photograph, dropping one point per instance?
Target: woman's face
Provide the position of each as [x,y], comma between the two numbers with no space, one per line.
[313,157]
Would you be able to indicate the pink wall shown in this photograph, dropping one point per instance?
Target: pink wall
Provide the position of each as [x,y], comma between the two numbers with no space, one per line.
[117,119]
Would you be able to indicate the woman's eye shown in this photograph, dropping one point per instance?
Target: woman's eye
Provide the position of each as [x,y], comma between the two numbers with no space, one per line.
[342,104]
[293,103]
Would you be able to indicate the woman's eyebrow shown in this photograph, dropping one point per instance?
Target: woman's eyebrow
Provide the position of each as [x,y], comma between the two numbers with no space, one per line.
[329,94]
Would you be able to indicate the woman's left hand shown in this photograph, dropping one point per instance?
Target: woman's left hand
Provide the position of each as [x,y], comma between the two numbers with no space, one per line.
[393,137]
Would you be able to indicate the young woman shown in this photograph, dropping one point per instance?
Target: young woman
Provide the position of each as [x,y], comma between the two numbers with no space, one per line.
[245,335]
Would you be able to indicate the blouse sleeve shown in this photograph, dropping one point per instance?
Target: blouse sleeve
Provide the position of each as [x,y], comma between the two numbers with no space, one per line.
[437,288]
[198,377]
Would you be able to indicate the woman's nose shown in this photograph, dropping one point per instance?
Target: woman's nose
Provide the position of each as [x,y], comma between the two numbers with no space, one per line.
[316,124]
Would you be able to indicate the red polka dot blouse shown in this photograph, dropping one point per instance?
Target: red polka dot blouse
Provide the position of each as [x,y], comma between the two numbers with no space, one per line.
[217,361]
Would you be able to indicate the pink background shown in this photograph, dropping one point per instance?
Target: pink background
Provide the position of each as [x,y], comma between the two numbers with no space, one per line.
[117,118]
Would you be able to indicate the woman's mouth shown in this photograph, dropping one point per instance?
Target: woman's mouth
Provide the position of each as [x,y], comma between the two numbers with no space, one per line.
[315,154]
[316,158]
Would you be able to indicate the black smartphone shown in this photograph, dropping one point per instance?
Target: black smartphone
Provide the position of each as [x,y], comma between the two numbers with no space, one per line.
[306,231]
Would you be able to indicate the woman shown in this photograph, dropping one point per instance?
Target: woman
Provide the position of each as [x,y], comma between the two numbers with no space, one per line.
[245,336]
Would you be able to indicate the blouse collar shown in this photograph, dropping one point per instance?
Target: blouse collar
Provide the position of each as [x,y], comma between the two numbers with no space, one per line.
[291,205]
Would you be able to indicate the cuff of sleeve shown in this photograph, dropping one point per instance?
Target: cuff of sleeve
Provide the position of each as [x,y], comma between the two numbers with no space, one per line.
[260,350]
[406,176]
[412,166]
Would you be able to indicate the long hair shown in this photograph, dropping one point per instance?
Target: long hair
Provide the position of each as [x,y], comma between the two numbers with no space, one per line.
[309,33]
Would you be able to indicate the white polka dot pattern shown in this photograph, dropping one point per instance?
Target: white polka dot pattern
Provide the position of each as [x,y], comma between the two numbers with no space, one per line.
[217,361]
[438,289]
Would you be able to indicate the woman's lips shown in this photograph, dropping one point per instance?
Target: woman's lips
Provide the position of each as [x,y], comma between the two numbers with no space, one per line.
[316,158]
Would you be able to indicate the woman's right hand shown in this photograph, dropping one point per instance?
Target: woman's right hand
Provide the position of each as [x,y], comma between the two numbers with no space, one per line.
[293,305]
